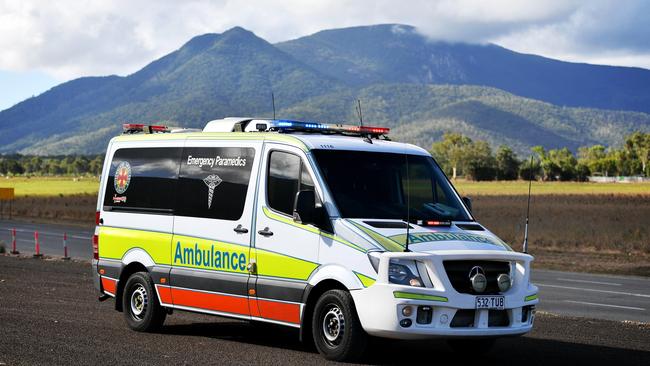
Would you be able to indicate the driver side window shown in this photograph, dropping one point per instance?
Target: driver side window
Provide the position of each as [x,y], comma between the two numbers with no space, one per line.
[286,174]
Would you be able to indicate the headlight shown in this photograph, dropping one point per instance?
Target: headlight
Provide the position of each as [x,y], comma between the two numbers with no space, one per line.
[404,272]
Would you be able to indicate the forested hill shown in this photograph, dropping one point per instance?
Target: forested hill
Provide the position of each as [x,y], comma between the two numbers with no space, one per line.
[417,87]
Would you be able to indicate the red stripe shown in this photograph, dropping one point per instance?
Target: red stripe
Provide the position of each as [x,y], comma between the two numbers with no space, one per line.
[207,301]
[164,294]
[255,310]
[109,285]
[280,311]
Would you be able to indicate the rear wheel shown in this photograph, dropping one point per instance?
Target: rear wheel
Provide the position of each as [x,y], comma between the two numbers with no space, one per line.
[140,304]
[472,347]
[336,328]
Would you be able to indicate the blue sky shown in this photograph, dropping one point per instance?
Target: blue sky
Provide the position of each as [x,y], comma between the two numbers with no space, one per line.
[44,43]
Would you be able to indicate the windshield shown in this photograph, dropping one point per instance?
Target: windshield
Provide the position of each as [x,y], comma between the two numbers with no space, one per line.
[374,185]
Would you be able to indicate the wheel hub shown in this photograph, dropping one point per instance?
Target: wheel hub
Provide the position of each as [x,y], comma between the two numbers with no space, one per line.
[139,302]
[333,325]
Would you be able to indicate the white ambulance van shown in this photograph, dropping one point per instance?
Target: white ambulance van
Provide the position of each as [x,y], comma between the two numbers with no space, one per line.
[332,229]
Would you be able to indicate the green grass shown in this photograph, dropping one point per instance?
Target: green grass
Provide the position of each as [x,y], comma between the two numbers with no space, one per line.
[56,186]
[50,186]
[471,188]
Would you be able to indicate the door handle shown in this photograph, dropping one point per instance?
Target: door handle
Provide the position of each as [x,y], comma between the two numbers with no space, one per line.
[240,229]
[265,232]
[252,267]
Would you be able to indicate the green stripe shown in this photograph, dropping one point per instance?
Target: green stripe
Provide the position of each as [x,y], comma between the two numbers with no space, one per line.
[412,296]
[365,280]
[272,215]
[531,297]
[384,242]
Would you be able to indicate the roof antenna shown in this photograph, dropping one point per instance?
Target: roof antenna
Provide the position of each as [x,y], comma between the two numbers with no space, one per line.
[408,203]
[273,101]
[530,181]
[367,138]
[359,112]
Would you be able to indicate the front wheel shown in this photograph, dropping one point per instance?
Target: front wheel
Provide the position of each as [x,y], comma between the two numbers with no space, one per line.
[336,328]
[140,304]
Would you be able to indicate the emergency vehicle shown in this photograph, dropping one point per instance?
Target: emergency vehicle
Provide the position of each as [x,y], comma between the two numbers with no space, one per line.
[329,228]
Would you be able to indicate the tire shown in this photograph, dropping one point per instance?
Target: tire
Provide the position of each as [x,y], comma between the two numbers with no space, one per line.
[471,347]
[140,304]
[336,329]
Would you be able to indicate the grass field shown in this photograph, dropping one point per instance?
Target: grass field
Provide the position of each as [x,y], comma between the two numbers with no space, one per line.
[499,188]
[54,186]
[57,186]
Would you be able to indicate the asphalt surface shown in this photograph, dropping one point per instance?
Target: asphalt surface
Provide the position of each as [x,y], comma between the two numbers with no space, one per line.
[575,294]
[49,314]
[50,238]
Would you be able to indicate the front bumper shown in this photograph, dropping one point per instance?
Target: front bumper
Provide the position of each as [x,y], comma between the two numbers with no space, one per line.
[452,314]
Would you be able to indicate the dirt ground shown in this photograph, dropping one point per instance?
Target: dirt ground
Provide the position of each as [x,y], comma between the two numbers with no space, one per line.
[49,315]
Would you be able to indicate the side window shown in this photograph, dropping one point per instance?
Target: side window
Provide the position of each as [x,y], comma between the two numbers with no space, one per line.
[143,179]
[286,174]
[213,182]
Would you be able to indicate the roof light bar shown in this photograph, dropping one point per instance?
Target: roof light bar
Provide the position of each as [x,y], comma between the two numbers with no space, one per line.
[128,128]
[290,125]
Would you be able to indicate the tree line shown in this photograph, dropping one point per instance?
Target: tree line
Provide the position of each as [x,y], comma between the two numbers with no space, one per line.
[459,155]
[13,165]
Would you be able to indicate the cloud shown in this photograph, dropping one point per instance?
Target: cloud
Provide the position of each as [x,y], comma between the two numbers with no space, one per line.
[72,38]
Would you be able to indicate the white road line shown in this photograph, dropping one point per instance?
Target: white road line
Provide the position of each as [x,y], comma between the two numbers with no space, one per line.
[594,290]
[606,305]
[584,281]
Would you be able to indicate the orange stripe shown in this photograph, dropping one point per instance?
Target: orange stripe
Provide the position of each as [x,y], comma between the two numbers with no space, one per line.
[289,313]
[255,310]
[214,302]
[165,294]
[109,285]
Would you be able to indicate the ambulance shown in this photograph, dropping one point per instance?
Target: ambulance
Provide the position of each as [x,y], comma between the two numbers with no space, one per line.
[331,229]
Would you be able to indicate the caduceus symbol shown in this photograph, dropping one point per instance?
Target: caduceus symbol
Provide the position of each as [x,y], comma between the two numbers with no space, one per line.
[212,181]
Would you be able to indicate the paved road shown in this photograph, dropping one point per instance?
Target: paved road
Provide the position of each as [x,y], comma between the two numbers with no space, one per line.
[575,294]
[594,296]
[50,238]
[49,315]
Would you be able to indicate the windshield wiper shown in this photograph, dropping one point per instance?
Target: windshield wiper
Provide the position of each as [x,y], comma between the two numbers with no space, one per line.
[439,209]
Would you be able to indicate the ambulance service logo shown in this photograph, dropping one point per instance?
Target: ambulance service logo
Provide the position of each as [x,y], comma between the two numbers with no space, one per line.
[122,177]
[212,181]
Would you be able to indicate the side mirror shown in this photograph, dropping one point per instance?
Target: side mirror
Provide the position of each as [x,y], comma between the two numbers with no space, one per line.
[304,211]
[468,203]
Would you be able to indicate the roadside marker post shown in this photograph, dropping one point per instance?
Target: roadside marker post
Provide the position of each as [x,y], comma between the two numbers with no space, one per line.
[37,246]
[65,246]
[13,242]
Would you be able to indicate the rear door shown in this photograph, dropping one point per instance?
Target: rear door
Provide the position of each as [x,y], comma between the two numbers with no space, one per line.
[212,226]
[137,210]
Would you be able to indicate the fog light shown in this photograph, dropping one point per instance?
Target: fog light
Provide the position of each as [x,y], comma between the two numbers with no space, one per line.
[479,282]
[405,323]
[503,280]
[407,311]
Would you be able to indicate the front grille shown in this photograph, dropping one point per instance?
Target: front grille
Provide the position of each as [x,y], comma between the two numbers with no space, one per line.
[458,273]
[498,318]
[464,318]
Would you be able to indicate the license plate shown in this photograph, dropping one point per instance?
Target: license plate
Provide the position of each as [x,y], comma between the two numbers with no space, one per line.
[490,302]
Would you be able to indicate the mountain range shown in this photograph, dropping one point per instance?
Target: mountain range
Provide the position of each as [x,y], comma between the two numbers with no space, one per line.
[419,87]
